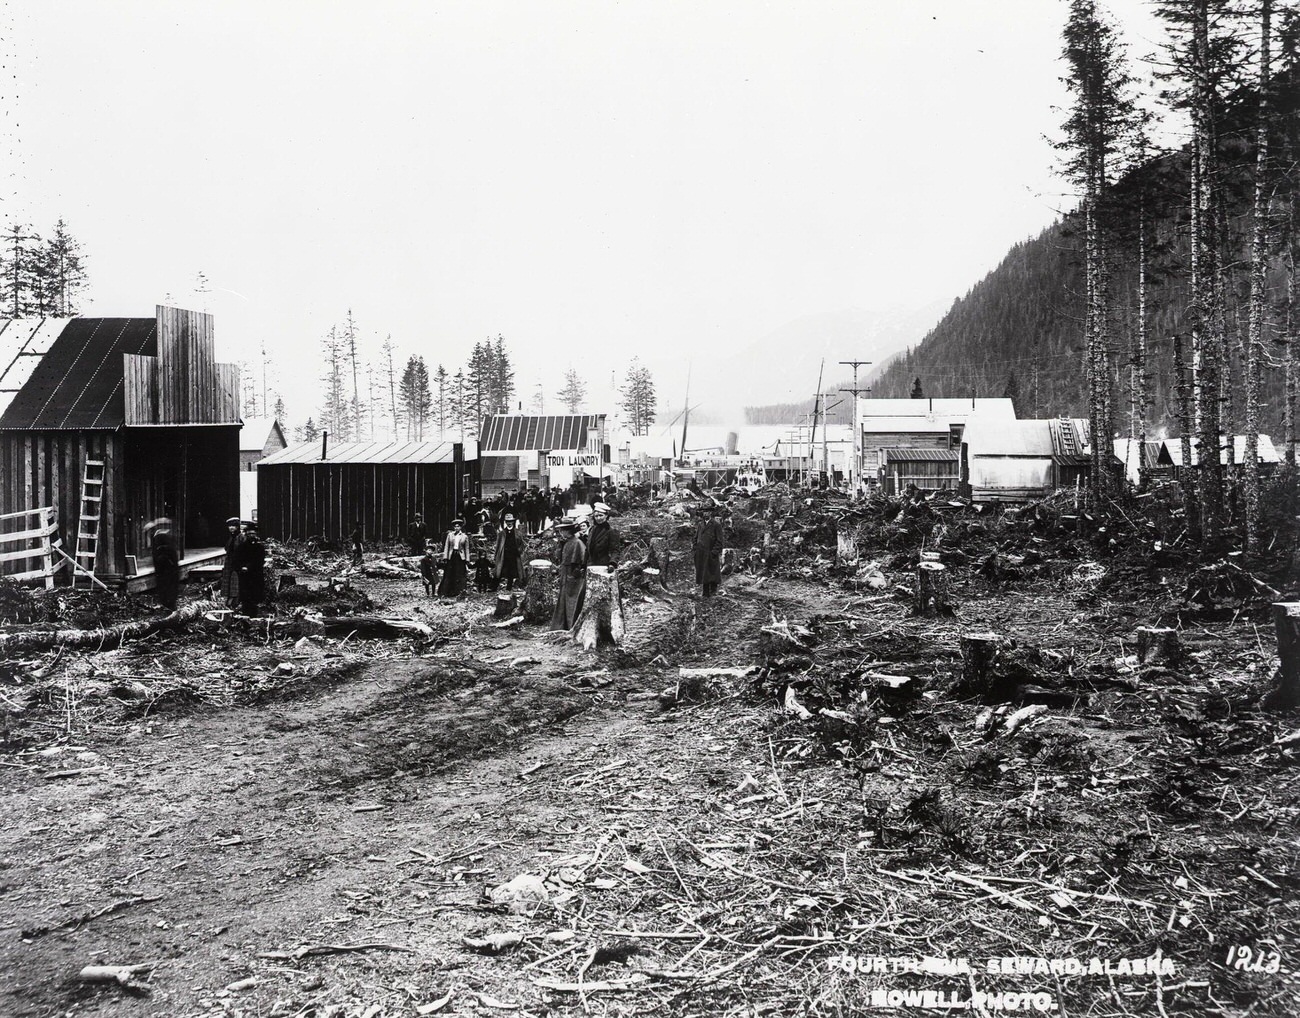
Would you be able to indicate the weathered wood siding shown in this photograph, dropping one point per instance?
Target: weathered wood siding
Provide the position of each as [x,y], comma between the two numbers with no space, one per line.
[184,384]
[296,501]
[39,468]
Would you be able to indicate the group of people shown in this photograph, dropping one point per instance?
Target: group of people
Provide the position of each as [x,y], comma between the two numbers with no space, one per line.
[243,573]
[445,570]
[585,542]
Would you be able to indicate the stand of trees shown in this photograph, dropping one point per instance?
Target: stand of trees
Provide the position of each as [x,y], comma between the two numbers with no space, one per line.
[41,277]
[1167,299]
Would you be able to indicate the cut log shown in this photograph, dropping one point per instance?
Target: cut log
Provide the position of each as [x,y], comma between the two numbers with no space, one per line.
[979,653]
[505,606]
[1285,694]
[539,595]
[108,636]
[1158,646]
[373,625]
[601,620]
[931,588]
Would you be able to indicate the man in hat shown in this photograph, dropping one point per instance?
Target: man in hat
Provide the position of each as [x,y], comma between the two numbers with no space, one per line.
[252,569]
[602,542]
[708,549]
[508,557]
[572,580]
[415,535]
[357,537]
[229,565]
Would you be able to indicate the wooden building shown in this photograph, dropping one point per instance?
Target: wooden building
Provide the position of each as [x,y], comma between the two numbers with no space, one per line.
[1015,461]
[895,425]
[1169,457]
[261,437]
[927,469]
[521,450]
[315,489]
[141,401]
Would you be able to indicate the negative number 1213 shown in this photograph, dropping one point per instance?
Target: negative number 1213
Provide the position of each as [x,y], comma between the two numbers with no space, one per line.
[1247,960]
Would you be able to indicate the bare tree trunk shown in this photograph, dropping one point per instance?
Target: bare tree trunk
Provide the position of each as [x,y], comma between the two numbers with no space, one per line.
[1144,376]
[1185,428]
[1254,347]
[1288,354]
[1207,344]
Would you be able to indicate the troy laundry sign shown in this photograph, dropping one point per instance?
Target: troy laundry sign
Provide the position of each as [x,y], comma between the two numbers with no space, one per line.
[573,459]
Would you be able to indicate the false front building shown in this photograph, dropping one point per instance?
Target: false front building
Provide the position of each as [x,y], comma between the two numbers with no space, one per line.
[114,423]
[520,451]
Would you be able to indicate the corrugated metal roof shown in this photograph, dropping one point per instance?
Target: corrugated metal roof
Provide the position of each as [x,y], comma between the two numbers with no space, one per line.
[920,455]
[500,468]
[521,433]
[364,452]
[77,384]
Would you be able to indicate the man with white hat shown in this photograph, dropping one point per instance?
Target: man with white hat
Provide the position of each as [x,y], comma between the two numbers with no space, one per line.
[603,542]
[508,556]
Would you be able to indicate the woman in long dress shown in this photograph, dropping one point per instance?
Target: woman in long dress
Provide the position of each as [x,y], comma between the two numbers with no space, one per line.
[572,578]
[455,557]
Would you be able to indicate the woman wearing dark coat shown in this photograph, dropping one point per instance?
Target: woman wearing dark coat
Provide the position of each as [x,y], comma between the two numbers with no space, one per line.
[708,551]
[572,585]
[455,568]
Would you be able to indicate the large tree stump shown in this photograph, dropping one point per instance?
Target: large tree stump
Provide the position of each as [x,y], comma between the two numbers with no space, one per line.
[539,595]
[661,558]
[505,605]
[1285,694]
[931,588]
[979,653]
[846,548]
[601,619]
[1157,646]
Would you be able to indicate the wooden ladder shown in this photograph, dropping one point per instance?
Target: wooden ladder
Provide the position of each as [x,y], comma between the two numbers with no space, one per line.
[92,501]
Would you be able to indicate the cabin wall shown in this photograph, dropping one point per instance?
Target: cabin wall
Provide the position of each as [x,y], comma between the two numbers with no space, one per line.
[40,468]
[296,501]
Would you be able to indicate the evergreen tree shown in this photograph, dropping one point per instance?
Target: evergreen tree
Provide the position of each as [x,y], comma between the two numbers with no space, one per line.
[388,350]
[335,415]
[573,392]
[308,432]
[415,397]
[639,401]
[441,382]
[281,414]
[65,271]
[503,378]
[1011,391]
[916,388]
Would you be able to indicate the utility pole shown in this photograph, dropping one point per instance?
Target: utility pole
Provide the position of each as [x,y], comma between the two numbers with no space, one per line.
[855,474]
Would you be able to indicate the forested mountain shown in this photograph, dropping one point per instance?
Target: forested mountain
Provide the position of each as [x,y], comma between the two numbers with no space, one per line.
[1021,330]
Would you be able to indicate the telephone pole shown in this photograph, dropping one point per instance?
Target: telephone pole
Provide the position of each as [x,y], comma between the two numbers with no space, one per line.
[855,475]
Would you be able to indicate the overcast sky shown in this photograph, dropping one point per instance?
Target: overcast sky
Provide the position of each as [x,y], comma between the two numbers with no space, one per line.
[590,180]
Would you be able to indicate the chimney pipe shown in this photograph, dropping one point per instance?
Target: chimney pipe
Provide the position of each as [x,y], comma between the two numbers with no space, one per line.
[324,443]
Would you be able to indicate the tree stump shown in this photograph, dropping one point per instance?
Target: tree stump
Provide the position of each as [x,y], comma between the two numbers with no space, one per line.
[931,588]
[661,558]
[1158,646]
[1285,694]
[601,619]
[846,548]
[979,653]
[539,595]
[505,605]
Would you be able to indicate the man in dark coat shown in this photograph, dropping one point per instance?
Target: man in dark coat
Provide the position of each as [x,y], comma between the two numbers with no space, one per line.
[572,585]
[415,535]
[708,550]
[602,543]
[508,557]
[166,563]
[229,567]
[252,569]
